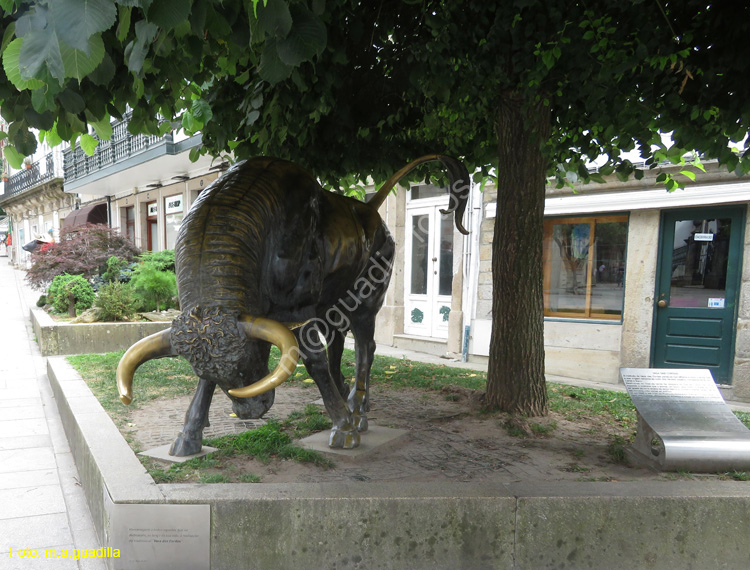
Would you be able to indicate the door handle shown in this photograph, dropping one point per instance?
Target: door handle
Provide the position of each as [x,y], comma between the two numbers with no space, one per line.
[661,304]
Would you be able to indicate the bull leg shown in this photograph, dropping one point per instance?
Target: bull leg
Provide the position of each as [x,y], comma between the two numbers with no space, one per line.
[190,440]
[335,350]
[343,433]
[364,346]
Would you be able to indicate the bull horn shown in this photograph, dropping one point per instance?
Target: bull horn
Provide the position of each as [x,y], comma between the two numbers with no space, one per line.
[154,346]
[275,333]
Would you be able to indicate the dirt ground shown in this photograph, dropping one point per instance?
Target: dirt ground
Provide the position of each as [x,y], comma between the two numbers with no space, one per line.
[447,439]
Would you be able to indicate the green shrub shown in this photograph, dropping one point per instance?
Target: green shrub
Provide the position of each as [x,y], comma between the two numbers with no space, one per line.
[115,265]
[41,301]
[116,302]
[154,288]
[63,286]
[162,260]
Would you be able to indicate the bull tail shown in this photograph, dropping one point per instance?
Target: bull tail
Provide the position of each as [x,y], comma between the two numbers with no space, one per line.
[459,181]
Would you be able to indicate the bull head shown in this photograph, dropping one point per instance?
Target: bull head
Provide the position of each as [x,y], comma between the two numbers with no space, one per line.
[159,345]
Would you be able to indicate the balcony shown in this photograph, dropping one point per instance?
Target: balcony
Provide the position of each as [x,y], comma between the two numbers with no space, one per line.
[37,173]
[128,161]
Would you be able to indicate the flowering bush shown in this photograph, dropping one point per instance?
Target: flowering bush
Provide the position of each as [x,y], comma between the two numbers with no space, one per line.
[82,250]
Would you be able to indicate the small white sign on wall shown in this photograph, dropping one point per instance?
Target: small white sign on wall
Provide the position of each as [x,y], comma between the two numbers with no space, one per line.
[153,209]
[715,302]
[173,204]
[703,237]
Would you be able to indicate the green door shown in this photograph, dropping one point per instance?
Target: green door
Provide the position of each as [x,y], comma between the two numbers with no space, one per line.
[697,289]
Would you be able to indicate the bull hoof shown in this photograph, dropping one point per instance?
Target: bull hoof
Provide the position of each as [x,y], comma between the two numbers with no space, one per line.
[360,422]
[182,446]
[348,439]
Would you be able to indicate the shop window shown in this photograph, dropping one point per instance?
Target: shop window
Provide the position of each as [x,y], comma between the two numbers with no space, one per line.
[173,214]
[584,267]
[129,215]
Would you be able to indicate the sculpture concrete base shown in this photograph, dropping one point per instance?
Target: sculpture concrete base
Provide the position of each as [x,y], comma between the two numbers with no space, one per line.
[373,439]
[162,454]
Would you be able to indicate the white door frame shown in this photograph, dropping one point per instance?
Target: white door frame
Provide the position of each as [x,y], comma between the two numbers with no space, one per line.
[426,312]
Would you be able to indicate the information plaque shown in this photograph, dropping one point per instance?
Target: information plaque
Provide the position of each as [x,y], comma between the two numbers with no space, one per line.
[162,537]
[684,423]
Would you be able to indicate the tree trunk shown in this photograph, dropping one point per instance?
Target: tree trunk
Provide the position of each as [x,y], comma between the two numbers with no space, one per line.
[515,380]
[71,305]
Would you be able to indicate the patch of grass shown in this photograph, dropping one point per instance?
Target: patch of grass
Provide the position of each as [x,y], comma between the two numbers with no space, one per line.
[248,478]
[266,442]
[576,403]
[744,418]
[616,449]
[739,475]
[311,420]
[516,427]
[213,478]
[163,378]
[544,429]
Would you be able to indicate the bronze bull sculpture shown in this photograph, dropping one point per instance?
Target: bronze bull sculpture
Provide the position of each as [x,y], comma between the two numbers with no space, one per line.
[265,256]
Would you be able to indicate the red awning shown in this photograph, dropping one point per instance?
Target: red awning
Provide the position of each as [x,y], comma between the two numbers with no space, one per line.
[93,214]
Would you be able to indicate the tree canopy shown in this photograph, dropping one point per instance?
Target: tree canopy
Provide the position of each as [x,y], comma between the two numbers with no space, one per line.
[354,88]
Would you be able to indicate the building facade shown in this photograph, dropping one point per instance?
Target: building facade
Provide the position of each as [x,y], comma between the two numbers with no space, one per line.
[634,276]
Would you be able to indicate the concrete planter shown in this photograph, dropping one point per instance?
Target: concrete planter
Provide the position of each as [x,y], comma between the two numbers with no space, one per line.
[65,338]
[420,526]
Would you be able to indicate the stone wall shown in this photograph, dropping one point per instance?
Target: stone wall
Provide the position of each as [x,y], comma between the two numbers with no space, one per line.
[486,233]
[741,376]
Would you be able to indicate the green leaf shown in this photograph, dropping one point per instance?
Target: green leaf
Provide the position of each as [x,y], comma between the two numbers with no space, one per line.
[71,101]
[136,51]
[275,19]
[88,144]
[43,100]
[201,111]
[306,39]
[40,121]
[10,31]
[24,140]
[688,174]
[123,22]
[12,71]
[78,64]
[14,158]
[40,50]
[103,128]
[271,68]
[76,21]
[53,139]
[168,14]
[104,72]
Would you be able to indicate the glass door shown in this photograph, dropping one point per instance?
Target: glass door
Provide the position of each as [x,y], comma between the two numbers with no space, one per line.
[697,290]
[429,271]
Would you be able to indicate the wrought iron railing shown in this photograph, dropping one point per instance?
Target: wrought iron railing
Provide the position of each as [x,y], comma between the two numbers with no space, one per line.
[35,174]
[120,147]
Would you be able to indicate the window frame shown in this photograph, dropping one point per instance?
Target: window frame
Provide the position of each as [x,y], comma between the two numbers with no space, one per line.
[592,220]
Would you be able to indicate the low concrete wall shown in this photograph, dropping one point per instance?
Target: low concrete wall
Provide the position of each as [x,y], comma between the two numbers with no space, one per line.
[417,526]
[64,338]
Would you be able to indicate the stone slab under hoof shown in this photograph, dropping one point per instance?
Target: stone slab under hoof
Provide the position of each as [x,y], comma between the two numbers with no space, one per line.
[162,454]
[371,440]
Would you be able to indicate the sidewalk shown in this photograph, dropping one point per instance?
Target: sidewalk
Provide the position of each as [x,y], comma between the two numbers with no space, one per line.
[41,502]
